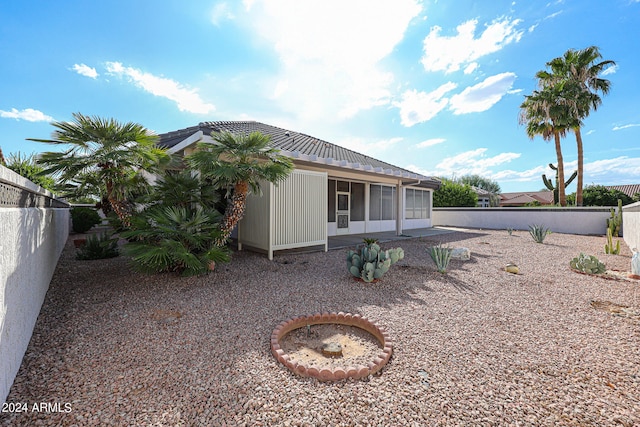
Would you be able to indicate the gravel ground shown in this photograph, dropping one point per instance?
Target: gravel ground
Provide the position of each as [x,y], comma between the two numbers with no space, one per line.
[477,346]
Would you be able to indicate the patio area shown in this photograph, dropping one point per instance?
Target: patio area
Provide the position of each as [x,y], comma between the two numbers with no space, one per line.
[475,346]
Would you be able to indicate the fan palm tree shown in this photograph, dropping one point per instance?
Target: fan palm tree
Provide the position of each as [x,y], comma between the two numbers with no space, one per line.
[118,153]
[545,113]
[239,163]
[579,71]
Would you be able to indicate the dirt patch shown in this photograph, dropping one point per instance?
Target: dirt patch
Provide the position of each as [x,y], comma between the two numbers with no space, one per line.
[305,344]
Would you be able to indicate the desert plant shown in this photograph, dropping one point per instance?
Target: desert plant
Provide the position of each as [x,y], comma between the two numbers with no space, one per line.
[371,262]
[587,264]
[609,247]
[82,219]
[614,223]
[550,185]
[510,231]
[538,232]
[98,246]
[370,240]
[175,239]
[441,255]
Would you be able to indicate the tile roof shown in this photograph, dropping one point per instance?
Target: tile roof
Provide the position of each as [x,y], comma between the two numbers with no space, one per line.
[629,189]
[544,197]
[295,143]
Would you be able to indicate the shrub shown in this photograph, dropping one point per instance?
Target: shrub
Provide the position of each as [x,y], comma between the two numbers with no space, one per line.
[441,255]
[588,264]
[538,232]
[175,239]
[371,262]
[82,219]
[98,247]
[599,195]
[452,193]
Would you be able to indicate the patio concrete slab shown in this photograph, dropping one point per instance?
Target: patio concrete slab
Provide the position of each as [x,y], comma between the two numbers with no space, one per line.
[352,240]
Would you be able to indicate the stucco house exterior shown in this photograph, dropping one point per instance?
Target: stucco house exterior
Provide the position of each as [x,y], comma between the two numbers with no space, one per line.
[332,191]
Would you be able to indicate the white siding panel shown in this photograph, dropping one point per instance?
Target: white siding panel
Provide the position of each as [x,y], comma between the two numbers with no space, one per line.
[300,210]
[253,229]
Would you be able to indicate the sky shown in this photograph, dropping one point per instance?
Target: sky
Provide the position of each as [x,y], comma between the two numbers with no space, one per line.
[431,86]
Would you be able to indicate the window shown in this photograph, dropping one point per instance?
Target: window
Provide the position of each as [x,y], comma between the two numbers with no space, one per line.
[357,201]
[332,201]
[382,202]
[416,204]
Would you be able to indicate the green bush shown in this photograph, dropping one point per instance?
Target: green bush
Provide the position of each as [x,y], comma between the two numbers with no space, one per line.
[454,194]
[599,195]
[98,246]
[82,219]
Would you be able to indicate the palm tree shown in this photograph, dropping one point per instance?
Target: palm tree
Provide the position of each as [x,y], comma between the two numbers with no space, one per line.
[239,163]
[544,113]
[579,71]
[118,154]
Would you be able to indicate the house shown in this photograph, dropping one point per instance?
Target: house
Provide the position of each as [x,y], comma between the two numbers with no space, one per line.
[524,198]
[332,191]
[629,189]
[484,197]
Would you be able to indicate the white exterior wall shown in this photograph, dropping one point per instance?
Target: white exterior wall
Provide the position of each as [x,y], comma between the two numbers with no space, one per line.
[31,240]
[586,220]
[292,214]
[631,225]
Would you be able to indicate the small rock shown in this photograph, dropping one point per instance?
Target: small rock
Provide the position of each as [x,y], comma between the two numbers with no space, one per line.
[512,268]
[463,254]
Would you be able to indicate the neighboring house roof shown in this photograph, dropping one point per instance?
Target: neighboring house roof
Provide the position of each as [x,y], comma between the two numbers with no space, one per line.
[630,189]
[521,198]
[298,146]
[481,192]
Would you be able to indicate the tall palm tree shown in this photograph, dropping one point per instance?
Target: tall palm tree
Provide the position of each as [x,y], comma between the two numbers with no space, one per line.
[544,113]
[239,163]
[118,153]
[579,71]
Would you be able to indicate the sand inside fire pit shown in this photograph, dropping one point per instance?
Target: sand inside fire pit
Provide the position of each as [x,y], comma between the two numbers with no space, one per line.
[304,345]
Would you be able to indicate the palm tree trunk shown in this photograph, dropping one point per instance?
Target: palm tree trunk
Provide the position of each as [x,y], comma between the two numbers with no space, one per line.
[234,212]
[561,193]
[121,208]
[580,166]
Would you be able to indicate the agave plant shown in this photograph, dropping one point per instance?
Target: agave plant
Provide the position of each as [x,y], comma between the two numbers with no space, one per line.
[538,232]
[441,255]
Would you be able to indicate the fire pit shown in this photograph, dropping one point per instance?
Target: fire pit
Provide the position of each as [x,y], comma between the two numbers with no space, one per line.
[331,346]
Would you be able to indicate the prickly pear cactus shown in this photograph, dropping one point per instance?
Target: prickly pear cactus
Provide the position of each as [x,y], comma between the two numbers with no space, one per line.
[588,264]
[371,262]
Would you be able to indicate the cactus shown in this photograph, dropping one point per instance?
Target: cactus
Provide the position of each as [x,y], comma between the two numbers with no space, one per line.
[550,186]
[371,262]
[441,255]
[615,222]
[609,248]
[588,264]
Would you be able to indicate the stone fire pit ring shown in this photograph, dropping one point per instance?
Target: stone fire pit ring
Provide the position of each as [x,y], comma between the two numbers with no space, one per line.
[335,373]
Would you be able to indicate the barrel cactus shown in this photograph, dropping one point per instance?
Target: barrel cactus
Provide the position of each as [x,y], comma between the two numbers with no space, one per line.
[588,264]
[371,262]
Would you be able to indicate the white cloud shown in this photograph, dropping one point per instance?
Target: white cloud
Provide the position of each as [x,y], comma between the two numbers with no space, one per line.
[471,68]
[610,70]
[430,142]
[85,70]
[483,95]
[417,107]
[442,53]
[553,15]
[620,167]
[330,51]
[631,125]
[221,12]
[28,114]
[186,98]
[468,163]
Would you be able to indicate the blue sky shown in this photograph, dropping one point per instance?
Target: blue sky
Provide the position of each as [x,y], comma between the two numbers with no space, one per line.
[431,86]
